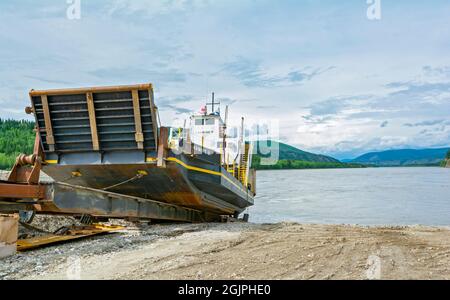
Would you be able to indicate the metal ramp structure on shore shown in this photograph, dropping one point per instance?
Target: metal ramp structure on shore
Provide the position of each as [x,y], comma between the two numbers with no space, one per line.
[87,135]
[66,199]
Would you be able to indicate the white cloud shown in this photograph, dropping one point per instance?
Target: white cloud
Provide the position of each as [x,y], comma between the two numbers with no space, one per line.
[152,7]
[330,76]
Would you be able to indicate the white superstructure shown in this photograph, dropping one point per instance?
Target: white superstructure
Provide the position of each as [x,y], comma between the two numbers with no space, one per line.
[208,133]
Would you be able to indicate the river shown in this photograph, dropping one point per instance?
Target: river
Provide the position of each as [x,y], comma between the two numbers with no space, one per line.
[373,196]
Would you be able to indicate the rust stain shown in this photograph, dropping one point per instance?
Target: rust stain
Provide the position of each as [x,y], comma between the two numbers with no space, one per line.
[72,234]
[183,198]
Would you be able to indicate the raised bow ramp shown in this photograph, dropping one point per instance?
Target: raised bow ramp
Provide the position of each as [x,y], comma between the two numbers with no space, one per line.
[108,157]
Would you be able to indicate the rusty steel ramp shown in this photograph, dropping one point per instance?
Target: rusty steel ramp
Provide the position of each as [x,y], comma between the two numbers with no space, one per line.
[110,159]
[66,199]
[65,234]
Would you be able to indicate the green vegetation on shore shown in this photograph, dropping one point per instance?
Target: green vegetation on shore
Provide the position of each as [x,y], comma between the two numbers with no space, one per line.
[293,158]
[287,164]
[15,137]
[288,152]
[18,137]
[404,158]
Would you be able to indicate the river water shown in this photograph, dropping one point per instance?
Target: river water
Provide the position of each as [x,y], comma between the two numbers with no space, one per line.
[373,196]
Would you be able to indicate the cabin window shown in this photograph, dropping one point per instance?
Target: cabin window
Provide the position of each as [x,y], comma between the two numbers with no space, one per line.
[201,122]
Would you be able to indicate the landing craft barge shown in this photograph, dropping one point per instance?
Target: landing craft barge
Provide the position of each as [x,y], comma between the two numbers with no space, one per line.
[109,158]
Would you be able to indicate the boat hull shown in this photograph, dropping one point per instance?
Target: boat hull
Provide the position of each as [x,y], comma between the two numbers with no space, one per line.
[186,181]
[107,138]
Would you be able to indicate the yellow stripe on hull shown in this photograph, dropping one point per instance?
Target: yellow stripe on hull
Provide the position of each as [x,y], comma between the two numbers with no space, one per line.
[186,166]
[192,168]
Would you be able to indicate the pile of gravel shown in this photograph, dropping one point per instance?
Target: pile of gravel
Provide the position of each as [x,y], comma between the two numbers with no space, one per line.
[44,224]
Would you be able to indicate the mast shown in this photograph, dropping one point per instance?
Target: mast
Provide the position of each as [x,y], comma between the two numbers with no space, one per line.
[224,143]
[241,141]
[213,103]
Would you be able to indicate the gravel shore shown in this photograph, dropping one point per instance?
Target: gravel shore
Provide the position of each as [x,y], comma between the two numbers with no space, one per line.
[236,251]
[243,251]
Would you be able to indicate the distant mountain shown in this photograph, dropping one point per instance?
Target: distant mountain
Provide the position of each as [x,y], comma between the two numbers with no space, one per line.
[287,152]
[346,160]
[404,157]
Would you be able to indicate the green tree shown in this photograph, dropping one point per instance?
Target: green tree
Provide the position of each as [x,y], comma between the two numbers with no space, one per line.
[15,137]
[300,164]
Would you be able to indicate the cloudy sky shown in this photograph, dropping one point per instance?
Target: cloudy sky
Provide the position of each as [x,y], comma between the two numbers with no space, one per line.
[338,83]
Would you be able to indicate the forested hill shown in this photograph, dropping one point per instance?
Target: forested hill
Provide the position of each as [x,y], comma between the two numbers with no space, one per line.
[287,152]
[18,137]
[293,158]
[404,157]
[15,137]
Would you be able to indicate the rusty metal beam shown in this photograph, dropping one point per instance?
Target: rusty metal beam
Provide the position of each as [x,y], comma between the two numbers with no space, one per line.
[28,167]
[66,199]
[82,200]
[92,121]
[37,148]
[21,191]
[137,119]
[14,207]
[107,89]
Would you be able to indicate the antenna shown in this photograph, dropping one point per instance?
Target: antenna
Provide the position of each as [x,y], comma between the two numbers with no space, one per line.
[226,116]
[242,132]
[213,103]
[242,128]
[225,123]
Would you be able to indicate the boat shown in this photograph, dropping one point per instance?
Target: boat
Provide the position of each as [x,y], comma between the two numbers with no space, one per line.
[110,139]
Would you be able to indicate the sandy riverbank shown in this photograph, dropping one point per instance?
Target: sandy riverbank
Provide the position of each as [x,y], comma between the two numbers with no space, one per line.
[244,251]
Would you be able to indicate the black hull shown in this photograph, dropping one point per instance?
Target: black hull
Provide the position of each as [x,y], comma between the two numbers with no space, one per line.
[107,138]
[193,182]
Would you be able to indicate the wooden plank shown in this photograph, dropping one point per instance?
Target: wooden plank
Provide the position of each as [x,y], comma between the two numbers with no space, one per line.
[163,147]
[9,228]
[48,123]
[139,136]
[153,113]
[92,121]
